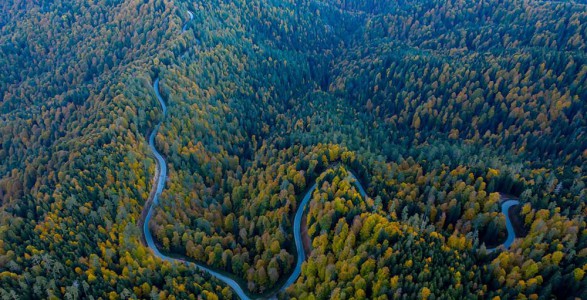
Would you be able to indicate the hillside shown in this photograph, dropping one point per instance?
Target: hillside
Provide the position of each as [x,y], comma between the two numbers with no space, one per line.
[443,110]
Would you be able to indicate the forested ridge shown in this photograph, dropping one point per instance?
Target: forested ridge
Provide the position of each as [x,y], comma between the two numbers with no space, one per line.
[74,168]
[441,108]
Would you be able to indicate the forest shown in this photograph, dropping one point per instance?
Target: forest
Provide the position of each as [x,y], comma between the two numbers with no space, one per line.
[442,109]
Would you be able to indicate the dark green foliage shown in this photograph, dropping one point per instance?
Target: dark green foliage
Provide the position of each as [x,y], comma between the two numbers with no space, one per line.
[436,106]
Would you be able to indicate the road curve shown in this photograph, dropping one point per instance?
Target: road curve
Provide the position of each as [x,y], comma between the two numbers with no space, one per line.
[185,26]
[505,208]
[297,230]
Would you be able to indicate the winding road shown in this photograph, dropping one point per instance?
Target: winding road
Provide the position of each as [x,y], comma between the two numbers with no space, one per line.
[185,26]
[301,253]
[161,177]
[505,208]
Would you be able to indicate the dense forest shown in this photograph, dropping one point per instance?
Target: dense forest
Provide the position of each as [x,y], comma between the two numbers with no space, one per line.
[442,109]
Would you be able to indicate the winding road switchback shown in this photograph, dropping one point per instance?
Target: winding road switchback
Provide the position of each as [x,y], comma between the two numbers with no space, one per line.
[161,177]
[185,26]
[505,208]
[160,184]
